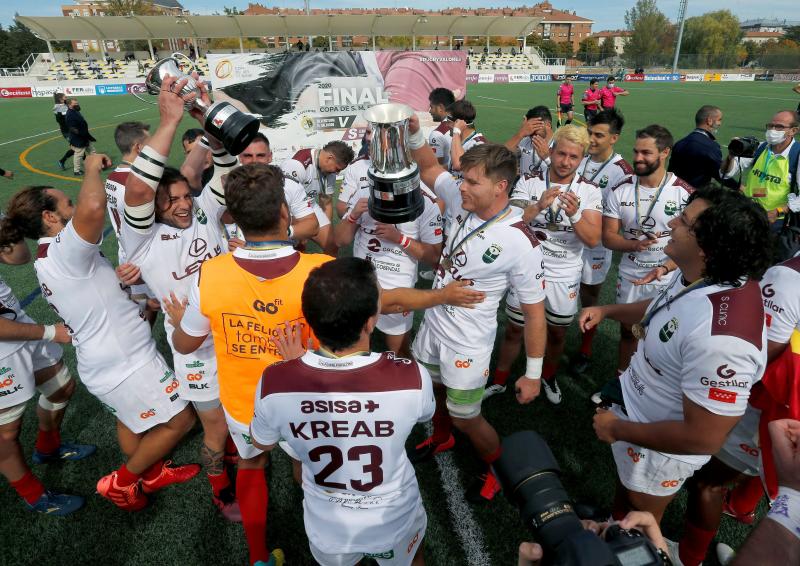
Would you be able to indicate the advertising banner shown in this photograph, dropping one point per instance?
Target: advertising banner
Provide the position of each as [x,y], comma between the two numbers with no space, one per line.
[592,77]
[105,90]
[16,92]
[791,77]
[472,78]
[662,77]
[308,99]
[79,90]
[633,78]
[486,78]
[712,77]
[693,78]
[764,77]
[46,91]
[501,78]
[539,78]
[526,78]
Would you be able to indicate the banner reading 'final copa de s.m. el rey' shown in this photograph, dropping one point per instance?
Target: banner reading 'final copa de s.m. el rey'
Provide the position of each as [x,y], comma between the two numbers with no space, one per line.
[308,99]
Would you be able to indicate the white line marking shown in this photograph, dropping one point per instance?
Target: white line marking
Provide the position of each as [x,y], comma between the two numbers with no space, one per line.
[467,528]
[29,137]
[131,112]
[490,98]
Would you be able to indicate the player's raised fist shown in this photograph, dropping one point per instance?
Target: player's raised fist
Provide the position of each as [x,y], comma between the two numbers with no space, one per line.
[97,162]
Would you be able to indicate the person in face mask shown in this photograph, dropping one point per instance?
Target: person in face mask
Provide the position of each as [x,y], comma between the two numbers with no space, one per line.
[697,158]
[80,140]
[771,174]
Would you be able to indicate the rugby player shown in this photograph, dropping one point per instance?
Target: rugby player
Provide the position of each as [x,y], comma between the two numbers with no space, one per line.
[607,169]
[463,134]
[568,209]
[440,100]
[636,217]
[361,495]
[31,360]
[564,99]
[316,170]
[168,247]
[117,357]
[702,345]
[486,241]
[534,140]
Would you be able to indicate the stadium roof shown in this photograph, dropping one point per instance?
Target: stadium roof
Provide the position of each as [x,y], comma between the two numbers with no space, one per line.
[165,27]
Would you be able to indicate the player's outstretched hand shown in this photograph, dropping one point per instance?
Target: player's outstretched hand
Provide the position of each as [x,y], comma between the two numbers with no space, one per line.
[785,435]
[655,274]
[590,317]
[458,294]
[174,307]
[527,389]
[62,334]
[288,340]
[129,274]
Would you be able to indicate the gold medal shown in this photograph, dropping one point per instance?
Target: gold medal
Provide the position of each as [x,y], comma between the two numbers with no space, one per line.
[552,226]
[639,331]
[446,263]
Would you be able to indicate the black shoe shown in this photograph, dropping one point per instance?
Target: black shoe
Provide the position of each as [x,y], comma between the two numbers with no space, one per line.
[580,364]
[427,449]
[80,174]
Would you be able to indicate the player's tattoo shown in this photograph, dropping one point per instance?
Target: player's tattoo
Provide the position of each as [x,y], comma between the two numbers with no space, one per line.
[212,460]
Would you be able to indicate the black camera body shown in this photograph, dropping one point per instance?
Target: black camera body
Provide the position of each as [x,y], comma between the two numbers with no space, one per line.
[529,472]
[743,147]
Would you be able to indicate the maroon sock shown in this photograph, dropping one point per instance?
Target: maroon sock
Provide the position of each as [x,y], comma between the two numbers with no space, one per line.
[125,477]
[29,487]
[586,341]
[694,544]
[549,371]
[48,441]
[253,497]
[501,376]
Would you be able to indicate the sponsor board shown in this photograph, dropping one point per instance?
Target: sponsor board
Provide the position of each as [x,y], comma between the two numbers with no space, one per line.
[16,92]
[45,91]
[539,78]
[109,89]
[485,78]
[662,77]
[519,78]
[764,77]
[501,78]
[791,77]
[633,78]
[693,77]
[138,88]
[472,78]
[712,77]
[79,90]
[592,77]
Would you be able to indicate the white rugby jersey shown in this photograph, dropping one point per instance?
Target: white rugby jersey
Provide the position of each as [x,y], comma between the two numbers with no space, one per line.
[620,204]
[439,140]
[505,255]
[354,179]
[606,176]
[709,345]
[562,249]
[348,419]
[781,300]
[302,167]
[475,139]
[115,202]
[10,309]
[529,160]
[395,268]
[111,338]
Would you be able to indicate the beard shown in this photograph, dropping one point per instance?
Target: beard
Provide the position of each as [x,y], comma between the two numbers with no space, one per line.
[643,169]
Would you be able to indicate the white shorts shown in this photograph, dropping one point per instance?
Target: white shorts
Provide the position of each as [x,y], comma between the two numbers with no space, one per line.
[742,449]
[560,303]
[628,293]
[458,371]
[401,554]
[596,264]
[146,398]
[197,374]
[240,434]
[646,471]
[17,383]
[396,324]
[322,218]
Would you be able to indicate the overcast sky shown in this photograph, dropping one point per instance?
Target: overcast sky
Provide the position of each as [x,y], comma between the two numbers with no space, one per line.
[604,17]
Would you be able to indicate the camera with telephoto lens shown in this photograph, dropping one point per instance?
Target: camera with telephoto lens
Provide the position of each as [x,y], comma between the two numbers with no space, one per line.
[743,147]
[529,474]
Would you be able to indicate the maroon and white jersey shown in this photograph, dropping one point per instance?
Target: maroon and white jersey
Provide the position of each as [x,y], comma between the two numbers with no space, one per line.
[354,178]
[347,419]
[620,204]
[10,309]
[529,160]
[439,140]
[111,338]
[606,176]
[475,138]
[709,345]
[563,249]
[303,168]
[781,300]
[395,267]
[115,202]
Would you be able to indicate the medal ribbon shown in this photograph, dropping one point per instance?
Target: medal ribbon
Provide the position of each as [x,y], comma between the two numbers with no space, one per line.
[555,213]
[267,245]
[652,202]
[656,307]
[455,248]
[596,173]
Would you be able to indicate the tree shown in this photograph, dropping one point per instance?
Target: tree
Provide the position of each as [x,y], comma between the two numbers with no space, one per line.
[589,51]
[793,33]
[782,54]
[16,45]
[713,38]
[651,34]
[564,49]
[127,7]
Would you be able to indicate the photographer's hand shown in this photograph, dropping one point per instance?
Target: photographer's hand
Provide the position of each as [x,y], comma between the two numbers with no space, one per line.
[646,523]
[530,554]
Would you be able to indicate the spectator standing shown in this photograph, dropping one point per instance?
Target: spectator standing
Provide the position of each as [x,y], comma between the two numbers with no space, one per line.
[80,140]
[60,112]
[697,158]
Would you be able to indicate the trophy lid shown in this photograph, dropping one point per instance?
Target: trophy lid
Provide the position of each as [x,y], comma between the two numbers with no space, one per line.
[388,113]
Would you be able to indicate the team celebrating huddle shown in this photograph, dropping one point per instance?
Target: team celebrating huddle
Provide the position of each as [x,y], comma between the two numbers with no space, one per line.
[271,345]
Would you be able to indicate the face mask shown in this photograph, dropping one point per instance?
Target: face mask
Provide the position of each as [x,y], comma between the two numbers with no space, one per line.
[77,107]
[774,137]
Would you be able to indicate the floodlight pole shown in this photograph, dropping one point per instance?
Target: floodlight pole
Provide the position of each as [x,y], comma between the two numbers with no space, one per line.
[681,21]
[150,47]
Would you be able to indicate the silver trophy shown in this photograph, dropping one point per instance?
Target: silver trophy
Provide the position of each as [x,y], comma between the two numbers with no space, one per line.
[233,128]
[395,195]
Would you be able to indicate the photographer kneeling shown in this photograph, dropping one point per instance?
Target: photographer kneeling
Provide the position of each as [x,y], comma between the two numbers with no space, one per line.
[771,166]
